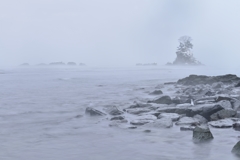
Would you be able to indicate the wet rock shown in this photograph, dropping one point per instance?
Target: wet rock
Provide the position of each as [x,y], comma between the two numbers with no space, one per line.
[205,110]
[147,117]
[236,126]
[117,118]
[222,114]
[201,79]
[224,123]
[162,100]
[201,119]
[236,149]
[113,110]
[181,100]
[217,85]
[132,127]
[225,104]
[160,123]
[137,111]
[156,92]
[170,83]
[93,112]
[174,110]
[147,131]
[187,128]
[140,105]
[238,84]
[140,121]
[187,121]
[202,134]
[160,86]
[173,116]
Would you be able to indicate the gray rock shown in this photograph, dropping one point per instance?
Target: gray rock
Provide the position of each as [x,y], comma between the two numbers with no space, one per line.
[225,104]
[173,116]
[156,92]
[205,110]
[201,119]
[236,149]
[202,134]
[217,85]
[162,100]
[113,110]
[223,123]
[187,121]
[93,112]
[117,118]
[222,114]
[140,105]
[236,126]
[140,121]
[187,128]
[160,123]
[138,110]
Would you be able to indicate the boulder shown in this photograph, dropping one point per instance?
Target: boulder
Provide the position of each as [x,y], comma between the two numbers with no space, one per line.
[156,92]
[222,114]
[217,85]
[160,123]
[173,116]
[223,123]
[187,121]
[117,118]
[113,110]
[236,126]
[93,112]
[187,128]
[140,121]
[140,105]
[205,110]
[201,119]
[236,149]
[162,100]
[174,110]
[225,104]
[202,133]
[138,110]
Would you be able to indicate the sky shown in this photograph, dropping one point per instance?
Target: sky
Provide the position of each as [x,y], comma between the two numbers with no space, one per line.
[118,32]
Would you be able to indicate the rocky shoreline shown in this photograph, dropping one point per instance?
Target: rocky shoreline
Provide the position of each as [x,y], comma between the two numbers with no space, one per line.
[195,103]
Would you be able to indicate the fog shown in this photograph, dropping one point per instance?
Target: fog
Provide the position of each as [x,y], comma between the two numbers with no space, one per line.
[118,33]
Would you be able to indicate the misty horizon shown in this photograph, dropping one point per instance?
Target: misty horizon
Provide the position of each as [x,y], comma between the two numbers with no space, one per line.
[117,33]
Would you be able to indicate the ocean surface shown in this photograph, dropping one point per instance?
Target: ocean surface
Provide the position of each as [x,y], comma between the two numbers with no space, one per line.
[42,115]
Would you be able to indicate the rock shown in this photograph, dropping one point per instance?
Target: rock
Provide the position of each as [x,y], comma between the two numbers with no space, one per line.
[223,123]
[117,118]
[184,105]
[82,64]
[225,104]
[147,117]
[200,79]
[181,100]
[160,86]
[156,92]
[147,131]
[140,105]
[236,149]
[162,100]
[170,83]
[202,133]
[173,116]
[175,110]
[113,110]
[138,110]
[217,85]
[201,119]
[160,123]
[117,123]
[236,126]
[222,114]
[93,112]
[140,121]
[205,110]
[238,84]
[187,128]
[187,121]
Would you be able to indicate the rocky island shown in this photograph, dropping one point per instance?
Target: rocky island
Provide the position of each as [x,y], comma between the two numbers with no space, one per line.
[185,53]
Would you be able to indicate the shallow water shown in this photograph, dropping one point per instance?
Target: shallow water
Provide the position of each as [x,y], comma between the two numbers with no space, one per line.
[38,109]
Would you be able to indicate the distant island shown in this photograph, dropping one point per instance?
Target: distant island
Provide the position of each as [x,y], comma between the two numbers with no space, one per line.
[184,53]
[56,64]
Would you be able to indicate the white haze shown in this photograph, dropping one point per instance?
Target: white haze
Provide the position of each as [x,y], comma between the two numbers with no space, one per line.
[118,32]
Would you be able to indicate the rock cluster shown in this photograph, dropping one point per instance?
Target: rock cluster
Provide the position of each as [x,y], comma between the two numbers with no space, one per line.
[195,103]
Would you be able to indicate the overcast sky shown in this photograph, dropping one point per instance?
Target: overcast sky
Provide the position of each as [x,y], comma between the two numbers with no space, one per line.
[118,32]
